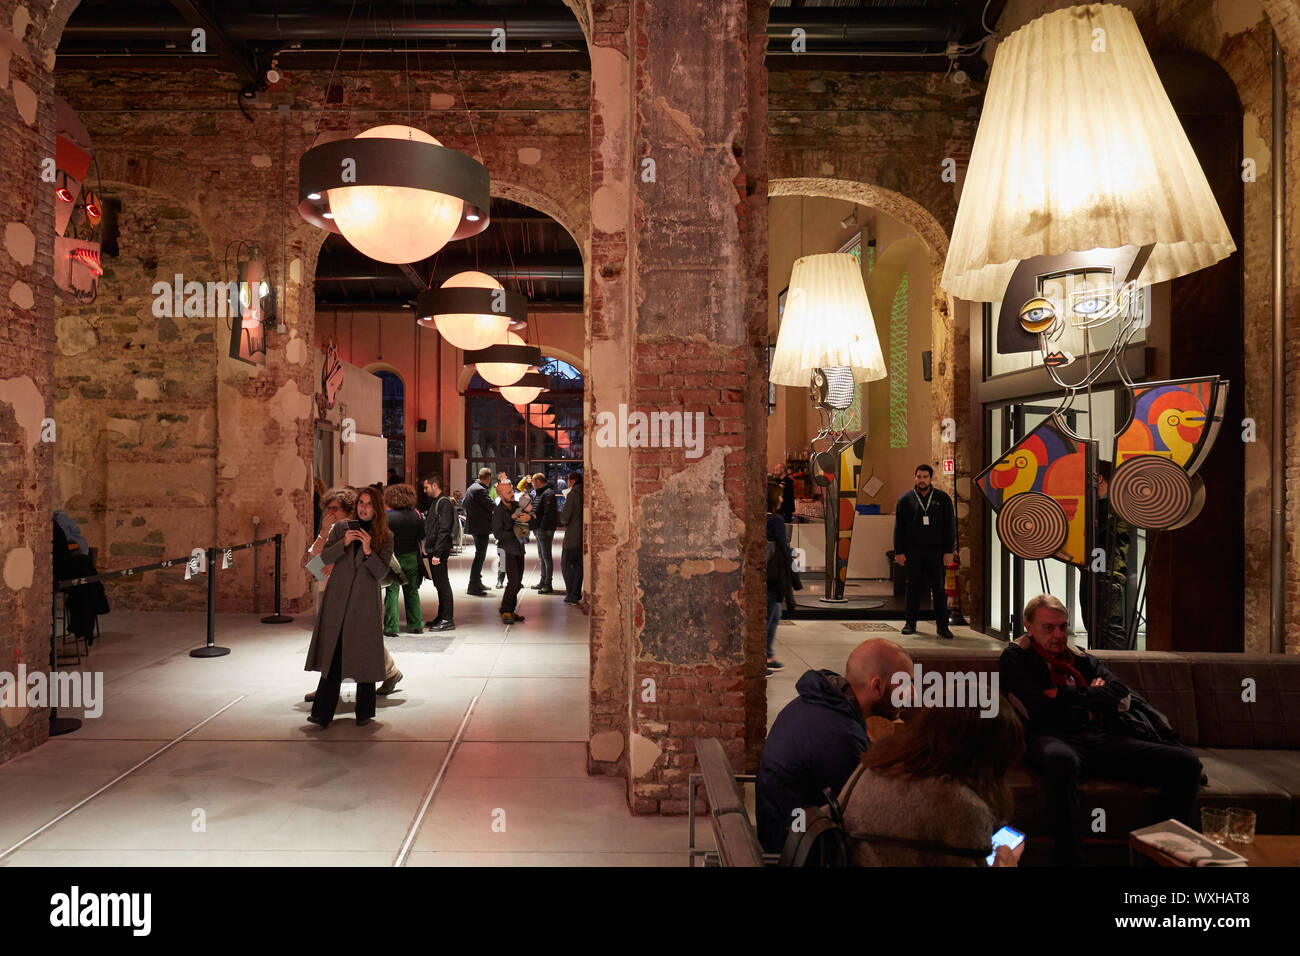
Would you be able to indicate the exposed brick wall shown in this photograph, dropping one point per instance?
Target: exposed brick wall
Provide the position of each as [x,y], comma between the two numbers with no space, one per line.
[26,351]
[607,533]
[700,597]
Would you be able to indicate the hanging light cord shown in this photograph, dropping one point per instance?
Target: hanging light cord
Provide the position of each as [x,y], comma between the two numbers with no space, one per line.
[479,150]
[334,69]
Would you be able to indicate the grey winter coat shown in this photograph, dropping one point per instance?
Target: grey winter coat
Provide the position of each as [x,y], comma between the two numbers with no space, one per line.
[934,809]
[351,609]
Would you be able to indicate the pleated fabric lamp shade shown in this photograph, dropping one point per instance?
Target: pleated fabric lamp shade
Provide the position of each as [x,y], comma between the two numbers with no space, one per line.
[1079,148]
[827,323]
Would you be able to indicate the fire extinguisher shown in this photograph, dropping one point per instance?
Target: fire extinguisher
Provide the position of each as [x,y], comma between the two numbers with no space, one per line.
[953,591]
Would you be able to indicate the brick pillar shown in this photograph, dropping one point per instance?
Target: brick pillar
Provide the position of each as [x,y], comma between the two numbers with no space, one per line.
[26,351]
[678,326]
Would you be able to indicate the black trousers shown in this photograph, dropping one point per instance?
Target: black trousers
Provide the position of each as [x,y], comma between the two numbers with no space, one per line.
[571,568]
[446,603]
[1111,633]
[925,572]
[1065,762]
[514,581]
[476,568]
[544,539]
[327,691]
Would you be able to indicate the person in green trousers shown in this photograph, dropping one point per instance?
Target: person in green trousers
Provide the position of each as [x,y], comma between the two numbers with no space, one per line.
[407,527]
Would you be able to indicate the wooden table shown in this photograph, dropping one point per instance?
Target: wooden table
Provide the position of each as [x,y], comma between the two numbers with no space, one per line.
[1269,849]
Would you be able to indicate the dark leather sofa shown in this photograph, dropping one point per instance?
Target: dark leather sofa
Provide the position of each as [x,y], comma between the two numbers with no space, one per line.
[1250,749]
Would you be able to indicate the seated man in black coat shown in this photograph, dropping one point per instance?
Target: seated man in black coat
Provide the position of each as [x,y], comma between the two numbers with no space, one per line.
[819,736]
[1077,729]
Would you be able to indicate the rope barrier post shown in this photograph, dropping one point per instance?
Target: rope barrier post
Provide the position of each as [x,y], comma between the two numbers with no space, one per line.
[277,617]
[58,725]
[210,649]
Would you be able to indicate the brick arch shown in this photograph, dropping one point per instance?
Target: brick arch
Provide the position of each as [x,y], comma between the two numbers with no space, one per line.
[574,221]
[950,384]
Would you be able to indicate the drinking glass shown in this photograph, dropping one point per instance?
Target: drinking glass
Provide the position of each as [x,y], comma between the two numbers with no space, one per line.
[1214,824]
[1241,825]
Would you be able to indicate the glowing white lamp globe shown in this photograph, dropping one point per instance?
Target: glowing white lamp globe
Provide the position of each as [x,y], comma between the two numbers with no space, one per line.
[472,331]
[520,394]
[395,223]
[503,373]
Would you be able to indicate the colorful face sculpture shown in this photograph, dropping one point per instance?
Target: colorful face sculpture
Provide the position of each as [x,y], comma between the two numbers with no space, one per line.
[1160,449]
[1039,491]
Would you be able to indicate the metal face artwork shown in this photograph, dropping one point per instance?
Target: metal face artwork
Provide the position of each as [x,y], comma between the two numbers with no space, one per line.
[1044,489]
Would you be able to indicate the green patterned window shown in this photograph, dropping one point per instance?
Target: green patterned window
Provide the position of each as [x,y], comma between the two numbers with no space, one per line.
[898,368]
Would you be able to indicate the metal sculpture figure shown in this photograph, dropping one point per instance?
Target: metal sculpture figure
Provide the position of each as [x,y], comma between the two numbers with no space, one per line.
[837,468]
[1044,489]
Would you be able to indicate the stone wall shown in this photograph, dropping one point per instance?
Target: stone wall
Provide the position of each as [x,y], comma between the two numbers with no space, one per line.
[195,173]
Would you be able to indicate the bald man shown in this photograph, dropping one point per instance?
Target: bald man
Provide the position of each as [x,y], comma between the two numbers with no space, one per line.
[818,738]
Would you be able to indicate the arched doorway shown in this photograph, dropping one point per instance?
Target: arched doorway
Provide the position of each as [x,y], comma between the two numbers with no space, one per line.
[393,417]
[544,436]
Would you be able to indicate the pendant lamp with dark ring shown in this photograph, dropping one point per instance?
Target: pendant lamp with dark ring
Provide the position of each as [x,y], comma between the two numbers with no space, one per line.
[394,192]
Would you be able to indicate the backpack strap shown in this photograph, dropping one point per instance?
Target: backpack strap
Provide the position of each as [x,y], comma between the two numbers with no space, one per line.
[799,846]
[924,846]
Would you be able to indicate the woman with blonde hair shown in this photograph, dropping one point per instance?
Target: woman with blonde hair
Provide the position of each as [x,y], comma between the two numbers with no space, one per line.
[347,640]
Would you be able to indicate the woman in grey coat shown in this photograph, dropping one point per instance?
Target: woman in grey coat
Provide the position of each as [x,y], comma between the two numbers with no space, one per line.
[934,792]
[348,638]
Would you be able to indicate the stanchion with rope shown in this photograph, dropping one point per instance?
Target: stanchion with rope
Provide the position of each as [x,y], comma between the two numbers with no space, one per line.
[210,649]
[277,617]
[58,725]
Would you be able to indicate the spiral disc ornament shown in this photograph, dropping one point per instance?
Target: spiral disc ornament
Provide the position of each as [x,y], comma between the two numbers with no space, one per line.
[1032,526]
[1150,492]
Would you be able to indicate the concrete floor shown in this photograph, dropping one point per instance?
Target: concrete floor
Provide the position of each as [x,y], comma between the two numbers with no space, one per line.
[256,784]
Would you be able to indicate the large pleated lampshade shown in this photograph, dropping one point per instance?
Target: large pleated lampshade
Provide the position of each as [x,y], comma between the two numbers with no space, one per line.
[827,323]
[1079,148]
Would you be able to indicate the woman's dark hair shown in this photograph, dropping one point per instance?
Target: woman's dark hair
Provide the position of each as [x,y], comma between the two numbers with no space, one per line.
[399,496]
[958,744]
[379,534]
[774,495]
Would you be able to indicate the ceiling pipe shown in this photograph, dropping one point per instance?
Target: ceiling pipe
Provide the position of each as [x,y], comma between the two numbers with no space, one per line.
[386,21]
[847,31]
[856,26]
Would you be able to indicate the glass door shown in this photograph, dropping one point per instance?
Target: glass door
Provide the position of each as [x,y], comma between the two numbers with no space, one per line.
[1010,581]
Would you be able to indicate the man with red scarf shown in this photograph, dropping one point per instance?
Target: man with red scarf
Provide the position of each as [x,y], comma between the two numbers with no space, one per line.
[1073,704]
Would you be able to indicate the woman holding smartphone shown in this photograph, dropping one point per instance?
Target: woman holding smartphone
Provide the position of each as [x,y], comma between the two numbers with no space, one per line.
[935,791]
[348,638]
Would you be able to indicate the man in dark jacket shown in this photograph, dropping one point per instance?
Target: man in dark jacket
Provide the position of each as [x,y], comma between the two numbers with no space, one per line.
[1073,704]
[478,522]
[818,738]
[571,549]
[437,547]
[925,533]
[544,524]
[503,527]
